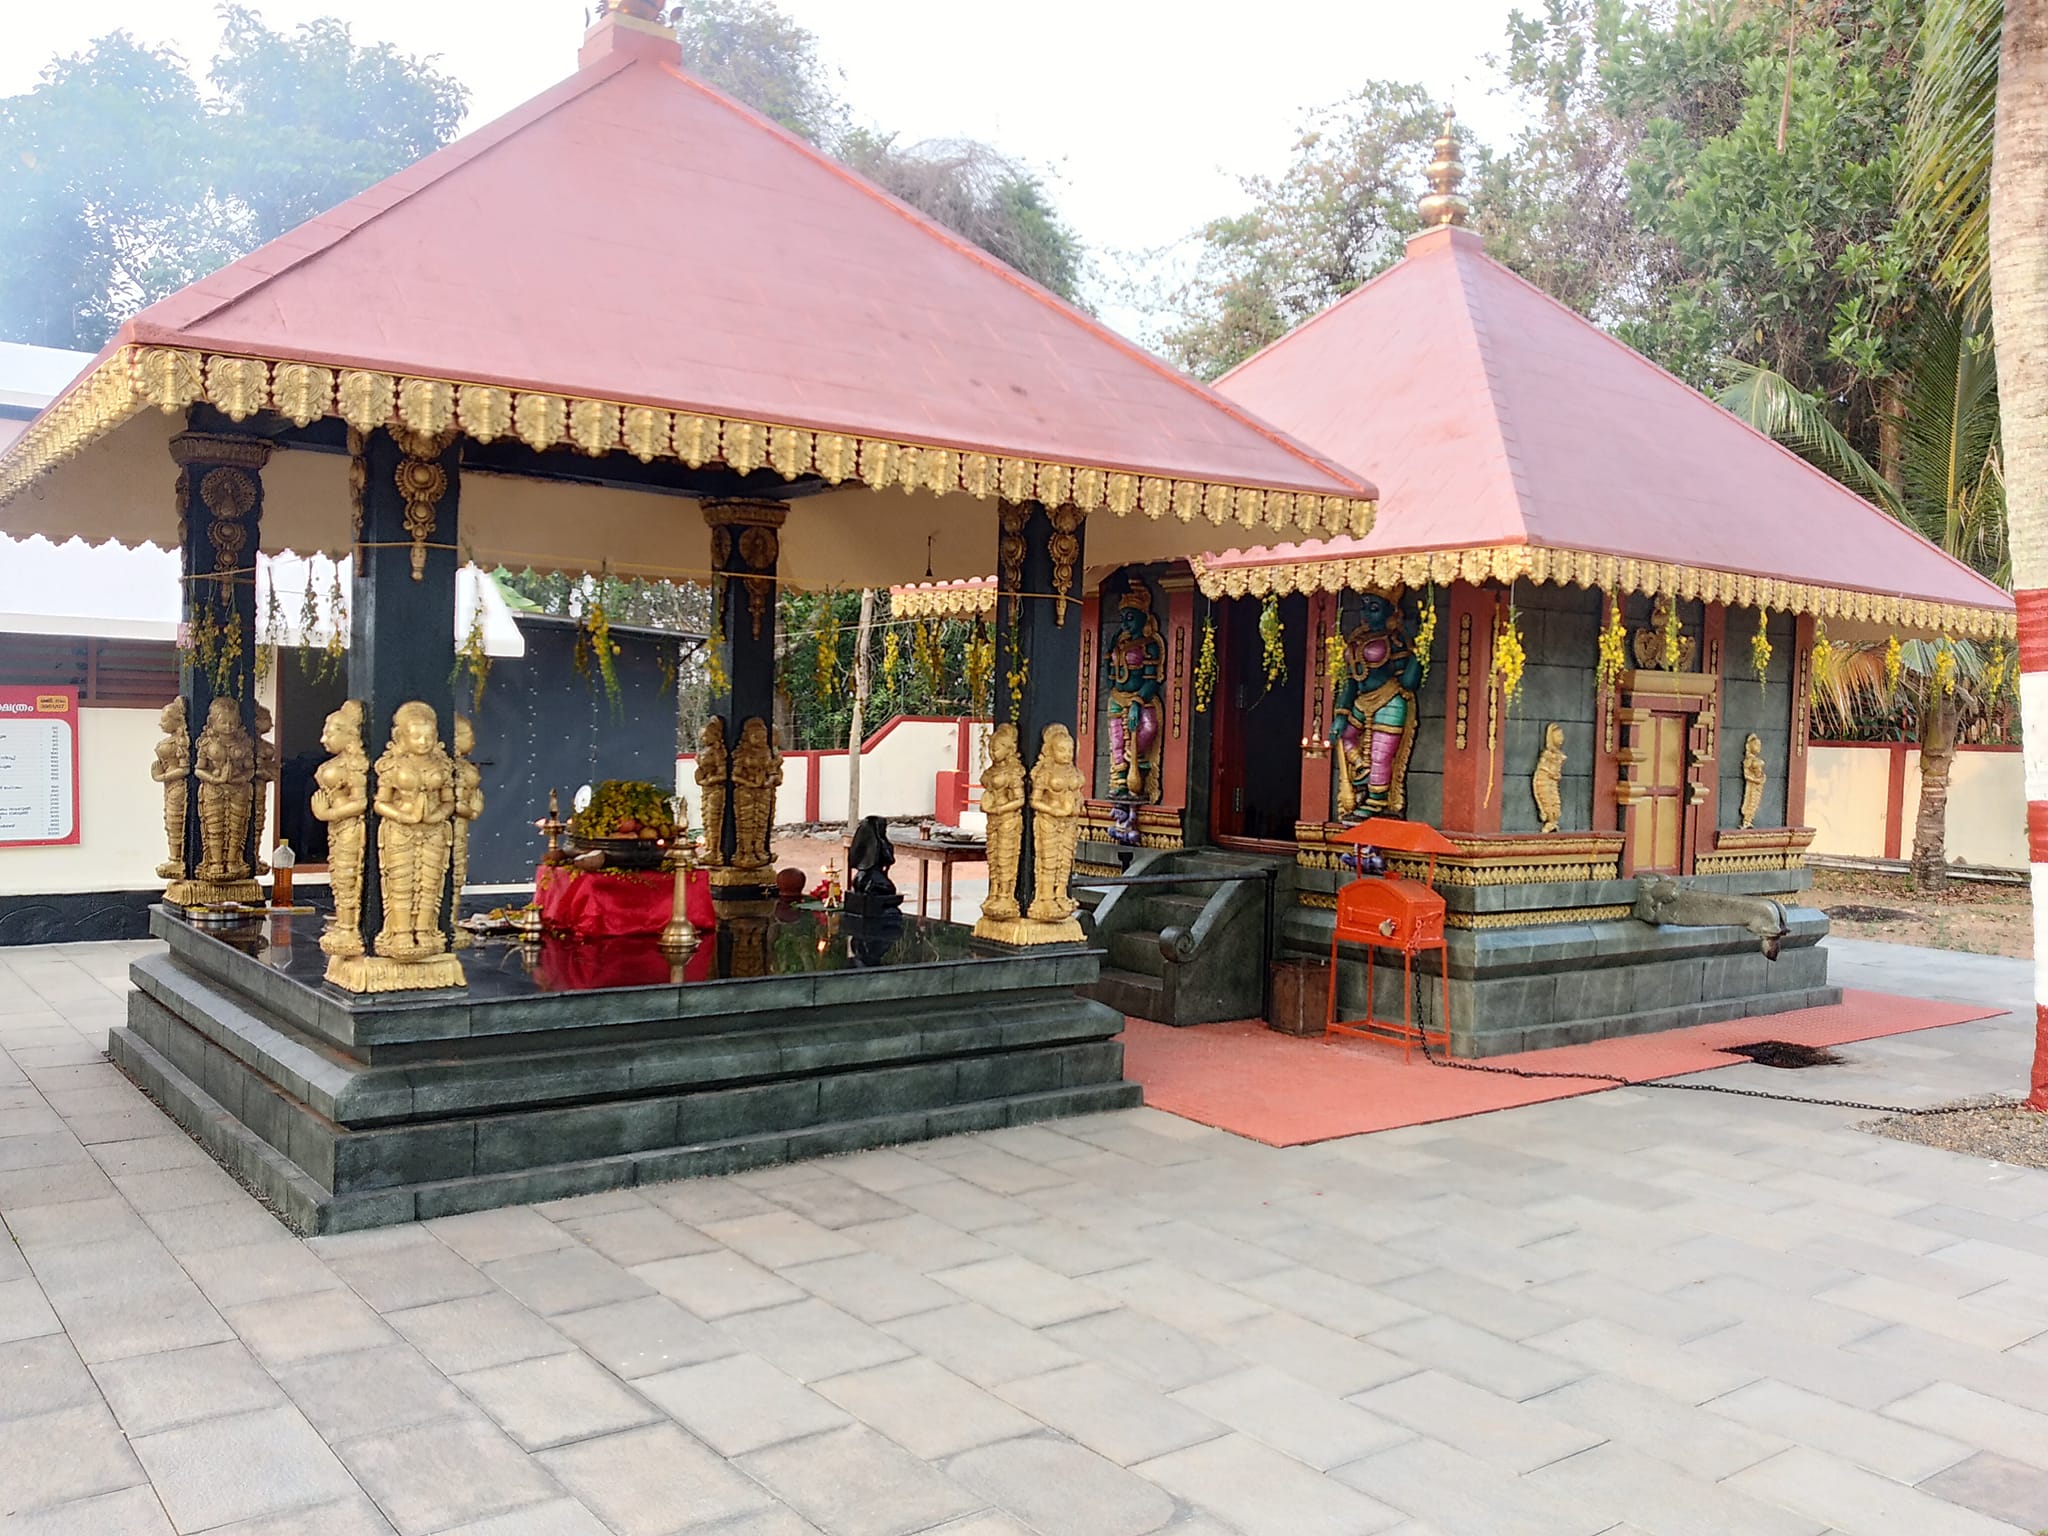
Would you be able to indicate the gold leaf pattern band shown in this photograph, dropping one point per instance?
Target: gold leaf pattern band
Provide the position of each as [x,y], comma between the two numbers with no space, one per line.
[172,379]
[1606,573]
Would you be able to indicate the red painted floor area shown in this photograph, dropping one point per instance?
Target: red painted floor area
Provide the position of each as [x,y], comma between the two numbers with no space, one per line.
[1287,1091]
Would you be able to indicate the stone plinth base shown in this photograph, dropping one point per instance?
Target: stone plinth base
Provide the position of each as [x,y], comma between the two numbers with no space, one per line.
[380,973]
[353,1111]
[213,893]
[1024,932]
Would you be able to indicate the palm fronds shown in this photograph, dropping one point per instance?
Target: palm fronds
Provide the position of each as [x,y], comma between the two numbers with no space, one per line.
[1948,139]
[1776,407]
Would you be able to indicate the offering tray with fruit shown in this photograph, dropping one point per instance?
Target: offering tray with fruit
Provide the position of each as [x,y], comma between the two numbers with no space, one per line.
[628,824]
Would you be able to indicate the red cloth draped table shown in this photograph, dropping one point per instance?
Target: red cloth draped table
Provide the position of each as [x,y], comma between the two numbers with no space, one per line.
[616,903]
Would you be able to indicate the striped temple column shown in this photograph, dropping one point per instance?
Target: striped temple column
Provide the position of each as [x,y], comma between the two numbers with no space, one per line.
[2033,651]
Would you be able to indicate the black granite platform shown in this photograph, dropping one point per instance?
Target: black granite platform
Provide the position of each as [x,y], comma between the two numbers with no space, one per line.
[575,1067]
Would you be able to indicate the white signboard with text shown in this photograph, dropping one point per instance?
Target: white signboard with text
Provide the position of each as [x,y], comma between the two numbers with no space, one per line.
[38,767]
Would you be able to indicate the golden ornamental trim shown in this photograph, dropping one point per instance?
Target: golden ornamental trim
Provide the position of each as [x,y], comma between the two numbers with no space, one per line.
[173,378]
[943,601]
[1608,573]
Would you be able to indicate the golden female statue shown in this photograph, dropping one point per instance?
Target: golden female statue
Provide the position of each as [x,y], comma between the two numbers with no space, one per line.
[1002,802]
[341,799]
[171,768]
[224,762]
[1544,782]
[266,775]
[1056,786]
[1753,775]
[756,775]
[469,804]
[714,772]
[415,805]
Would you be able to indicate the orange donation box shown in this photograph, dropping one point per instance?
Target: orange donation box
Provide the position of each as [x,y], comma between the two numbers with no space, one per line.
[1392,912]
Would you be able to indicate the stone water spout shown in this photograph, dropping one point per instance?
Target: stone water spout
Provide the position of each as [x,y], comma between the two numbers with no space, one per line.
[1660,899]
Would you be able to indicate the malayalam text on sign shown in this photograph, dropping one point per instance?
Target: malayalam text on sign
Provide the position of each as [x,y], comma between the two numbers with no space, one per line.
[38,766]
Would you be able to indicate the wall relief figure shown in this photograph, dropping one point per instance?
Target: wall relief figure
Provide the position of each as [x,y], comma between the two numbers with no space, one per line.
[756,775]
[1372,722]
[224,762]
[714,776]
[1754,773]
[1056,786]
[1663,646]
[1002,802]
[1134,662]
[172,768]
[341,799]
[415,807]
[469,804]
[1546,782]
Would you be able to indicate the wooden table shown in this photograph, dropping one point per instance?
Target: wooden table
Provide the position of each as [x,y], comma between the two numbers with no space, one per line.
[945,853]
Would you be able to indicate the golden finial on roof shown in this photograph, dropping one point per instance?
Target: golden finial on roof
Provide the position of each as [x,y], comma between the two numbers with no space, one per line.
[1441,204]
[638,10]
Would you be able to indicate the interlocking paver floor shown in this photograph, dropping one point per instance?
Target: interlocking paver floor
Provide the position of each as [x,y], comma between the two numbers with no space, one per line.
[1668,1313]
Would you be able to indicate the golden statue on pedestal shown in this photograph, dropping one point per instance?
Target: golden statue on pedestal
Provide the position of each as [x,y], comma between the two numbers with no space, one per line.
[172,768]
[1002,802]
[756,775]
[1545,782]
[1056,785]
[341,799]
[1753,775]
[714,774]
[266,775]
[469,804]
[224,762]
[415,806]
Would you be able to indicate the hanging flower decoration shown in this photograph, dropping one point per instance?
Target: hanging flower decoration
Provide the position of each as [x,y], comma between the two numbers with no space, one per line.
[334,655]
[928,650]
[1674,634]
[892,656]
[1205,667]
[273,629]
[981,666]
[1510,659]
[472,658]
[1333,652]
[1822,664]
[828,646]
[1425,633]
[1945,667]
[1894,664]
[1018,674]
[1760,647]
[1273,641]
[595,648]
[714,645]
[1613,658]
[1994,678]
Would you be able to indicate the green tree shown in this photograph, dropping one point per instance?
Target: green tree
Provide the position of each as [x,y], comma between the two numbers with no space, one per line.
[120,182]
[749,49]
[1337,216]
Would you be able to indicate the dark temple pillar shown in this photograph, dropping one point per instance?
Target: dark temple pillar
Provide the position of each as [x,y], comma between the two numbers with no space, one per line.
[220,517]
[742,766]
[404,488]
[1038,665]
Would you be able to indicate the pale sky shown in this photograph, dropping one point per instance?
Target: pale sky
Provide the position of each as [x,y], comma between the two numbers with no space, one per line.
[1143,113]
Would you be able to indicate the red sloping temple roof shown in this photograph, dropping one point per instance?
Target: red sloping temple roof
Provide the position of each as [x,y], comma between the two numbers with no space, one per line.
[633,235]
[1492,416]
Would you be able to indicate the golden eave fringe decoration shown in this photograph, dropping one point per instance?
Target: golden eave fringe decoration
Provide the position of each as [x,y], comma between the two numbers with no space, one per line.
[1508,563]
[942,602]
[173,378]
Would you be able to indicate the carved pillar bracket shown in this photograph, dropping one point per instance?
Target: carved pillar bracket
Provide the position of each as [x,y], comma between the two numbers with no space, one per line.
[422,483]
[220,528]
[1065,548]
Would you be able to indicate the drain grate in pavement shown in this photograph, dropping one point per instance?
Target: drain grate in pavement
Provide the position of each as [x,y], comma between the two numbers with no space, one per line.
[1852,913]
[1783,1053]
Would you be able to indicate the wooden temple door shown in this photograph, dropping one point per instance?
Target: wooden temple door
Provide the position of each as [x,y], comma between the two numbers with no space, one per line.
[1661,821]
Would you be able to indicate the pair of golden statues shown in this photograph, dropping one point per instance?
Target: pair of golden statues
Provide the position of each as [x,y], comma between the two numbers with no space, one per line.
[424,802]
[747,775]
[232,770]
[1056,787]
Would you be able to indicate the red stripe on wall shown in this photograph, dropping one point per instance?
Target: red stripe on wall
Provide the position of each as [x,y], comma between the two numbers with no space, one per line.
[2033,615]
[1895,800]
[2037,831]
[2038,1099]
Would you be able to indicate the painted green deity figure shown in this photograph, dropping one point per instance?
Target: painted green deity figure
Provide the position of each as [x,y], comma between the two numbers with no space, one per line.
[1372,725]
[1134,660]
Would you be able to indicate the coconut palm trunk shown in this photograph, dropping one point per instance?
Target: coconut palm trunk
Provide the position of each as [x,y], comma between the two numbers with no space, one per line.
[2019,309]
[1930,821]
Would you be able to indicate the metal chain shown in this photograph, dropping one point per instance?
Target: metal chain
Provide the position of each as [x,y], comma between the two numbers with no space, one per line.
[1434,1060]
